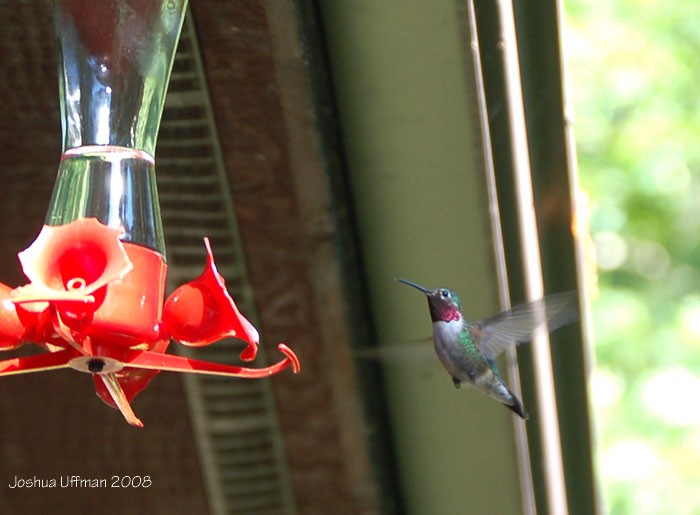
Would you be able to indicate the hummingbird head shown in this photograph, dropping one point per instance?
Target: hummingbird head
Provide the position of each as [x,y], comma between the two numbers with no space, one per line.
[444,304]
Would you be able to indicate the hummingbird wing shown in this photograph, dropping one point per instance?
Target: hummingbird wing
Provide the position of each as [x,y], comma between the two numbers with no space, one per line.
[416,350]
[495,334]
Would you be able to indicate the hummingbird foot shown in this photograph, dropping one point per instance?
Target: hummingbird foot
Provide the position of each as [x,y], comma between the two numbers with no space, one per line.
[456,382]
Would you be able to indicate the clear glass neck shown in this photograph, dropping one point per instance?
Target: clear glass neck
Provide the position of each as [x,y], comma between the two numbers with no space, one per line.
[115,58]
[116,185]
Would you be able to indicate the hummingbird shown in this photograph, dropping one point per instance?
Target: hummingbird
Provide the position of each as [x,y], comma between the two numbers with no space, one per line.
[468,349]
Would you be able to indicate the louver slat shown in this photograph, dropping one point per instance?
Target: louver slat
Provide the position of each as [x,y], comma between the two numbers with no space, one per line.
[235,421]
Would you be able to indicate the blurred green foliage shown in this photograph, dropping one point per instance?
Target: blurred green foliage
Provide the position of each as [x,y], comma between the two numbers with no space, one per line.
[634,70]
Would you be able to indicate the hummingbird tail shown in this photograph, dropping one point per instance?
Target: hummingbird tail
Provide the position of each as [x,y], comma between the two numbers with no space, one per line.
[493,385]
[517,407]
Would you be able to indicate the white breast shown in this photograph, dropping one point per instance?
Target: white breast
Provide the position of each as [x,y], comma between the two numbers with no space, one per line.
[445,338]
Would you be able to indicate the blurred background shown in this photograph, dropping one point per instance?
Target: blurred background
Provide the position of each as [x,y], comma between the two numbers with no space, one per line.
[633,70]
[328,147]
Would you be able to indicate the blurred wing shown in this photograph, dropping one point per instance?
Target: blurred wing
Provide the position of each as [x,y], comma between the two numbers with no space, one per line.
[407,351]
[495,334]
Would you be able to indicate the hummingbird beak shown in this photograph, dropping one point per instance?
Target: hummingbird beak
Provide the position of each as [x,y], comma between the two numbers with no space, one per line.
[416,286]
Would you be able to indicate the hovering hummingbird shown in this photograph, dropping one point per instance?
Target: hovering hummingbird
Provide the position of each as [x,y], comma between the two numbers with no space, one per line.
[468,350]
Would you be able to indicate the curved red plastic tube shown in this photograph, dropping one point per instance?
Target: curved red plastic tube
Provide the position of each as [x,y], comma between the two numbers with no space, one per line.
[172,363]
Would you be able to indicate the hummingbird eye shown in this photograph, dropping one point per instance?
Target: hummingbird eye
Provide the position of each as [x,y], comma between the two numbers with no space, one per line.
[444,294]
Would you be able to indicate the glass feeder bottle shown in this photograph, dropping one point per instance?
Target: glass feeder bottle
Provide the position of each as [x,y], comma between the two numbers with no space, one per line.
[115,58]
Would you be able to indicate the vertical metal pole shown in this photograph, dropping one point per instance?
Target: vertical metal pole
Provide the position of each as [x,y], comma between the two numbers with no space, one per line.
[548,416]
[527,491]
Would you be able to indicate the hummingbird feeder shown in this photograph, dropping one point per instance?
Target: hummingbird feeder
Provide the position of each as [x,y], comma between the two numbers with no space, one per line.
[96,271]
